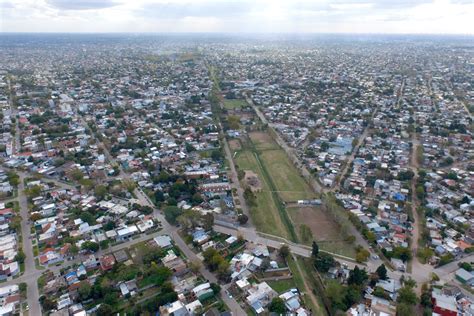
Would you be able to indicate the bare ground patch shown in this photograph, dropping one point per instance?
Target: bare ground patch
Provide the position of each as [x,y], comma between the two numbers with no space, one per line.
[324,229]
[252,181]
[321,224]
[234,144]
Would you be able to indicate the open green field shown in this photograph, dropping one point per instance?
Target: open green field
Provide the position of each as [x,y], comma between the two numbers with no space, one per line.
[231,104]
[281,286]
[290,184]
[263,141]
[265,215]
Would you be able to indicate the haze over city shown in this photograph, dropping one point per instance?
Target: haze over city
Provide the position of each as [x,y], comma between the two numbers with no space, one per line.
[245,16]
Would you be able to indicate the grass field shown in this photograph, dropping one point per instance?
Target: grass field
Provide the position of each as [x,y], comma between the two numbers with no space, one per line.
[265,215]
[281,286]
[263,141]
[325,231]
[231,104]
[290,184]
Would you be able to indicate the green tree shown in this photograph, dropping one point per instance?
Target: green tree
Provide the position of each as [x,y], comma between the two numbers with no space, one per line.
[172,213]
[406,295]
[357,276]
[323,262]
[277,305]
[20,256]
[243,219]
[405,310]
[90,246]
[284,251]
[314,249]
[382,272]
[100,191]
[208,221]
[105,310]
[84,290]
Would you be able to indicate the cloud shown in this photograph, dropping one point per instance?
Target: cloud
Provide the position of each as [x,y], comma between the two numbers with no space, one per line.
[6,5]
[173,10]
[82,4]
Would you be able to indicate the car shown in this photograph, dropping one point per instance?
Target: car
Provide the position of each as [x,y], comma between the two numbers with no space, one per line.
[375,257]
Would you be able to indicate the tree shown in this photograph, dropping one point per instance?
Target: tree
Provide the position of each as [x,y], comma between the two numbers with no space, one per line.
[465,265]
[406,295]
[35,216]
[243,219]
[335,292]
[33,191]
[90,246]
[47,303]
[129,185]
[23,287]
[216,288]
[100,191]
[195,266]
[172,213]
[382,272]
[357,276]
[402,253]
[216,155]
[352,296]
[74,249]
[104,244]
[20,256]
[84,290]
[13,178]
[284,251]
[362,255]
[315,249]
[405,310]
[223,269]
[105,310]
[76,174]
[277,305]
[208,221]
[323,262]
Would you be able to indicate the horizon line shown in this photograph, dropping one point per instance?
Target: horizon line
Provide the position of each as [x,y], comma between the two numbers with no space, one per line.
[235,33]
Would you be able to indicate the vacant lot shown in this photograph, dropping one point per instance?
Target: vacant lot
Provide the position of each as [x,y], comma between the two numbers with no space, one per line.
[234,103]
[290,184]
[263,141]
[265,215]
[325,230]
[234,144]
[282,286]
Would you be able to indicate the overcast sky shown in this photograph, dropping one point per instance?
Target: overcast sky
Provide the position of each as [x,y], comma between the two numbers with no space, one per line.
[265,16]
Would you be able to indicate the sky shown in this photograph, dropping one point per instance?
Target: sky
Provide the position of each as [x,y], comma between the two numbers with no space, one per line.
[239,16]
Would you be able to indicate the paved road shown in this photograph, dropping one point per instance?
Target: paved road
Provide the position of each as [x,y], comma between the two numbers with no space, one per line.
[32,286]
[32,291]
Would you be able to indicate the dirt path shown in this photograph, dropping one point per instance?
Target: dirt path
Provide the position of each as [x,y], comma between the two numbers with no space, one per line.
[308,289]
